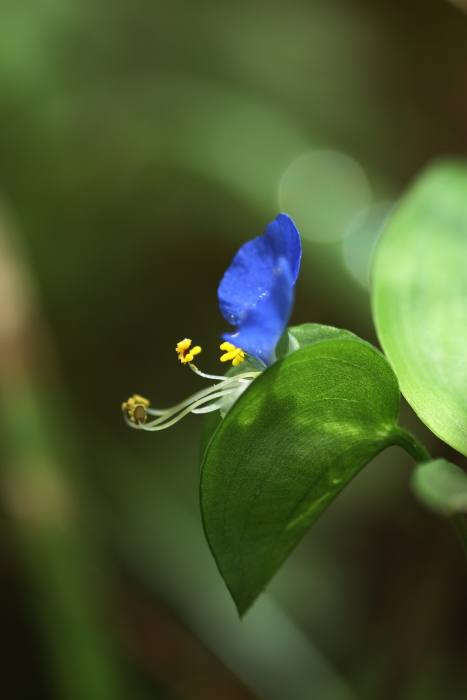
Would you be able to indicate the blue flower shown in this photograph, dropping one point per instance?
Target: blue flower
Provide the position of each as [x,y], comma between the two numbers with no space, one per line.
[256,293]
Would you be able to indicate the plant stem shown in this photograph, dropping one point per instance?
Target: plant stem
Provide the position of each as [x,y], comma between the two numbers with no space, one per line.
[419,454]
[411,445]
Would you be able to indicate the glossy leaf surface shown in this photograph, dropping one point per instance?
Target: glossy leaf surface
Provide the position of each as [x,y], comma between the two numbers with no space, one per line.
[292,441]
[420,299]
[441,487]
[293,339]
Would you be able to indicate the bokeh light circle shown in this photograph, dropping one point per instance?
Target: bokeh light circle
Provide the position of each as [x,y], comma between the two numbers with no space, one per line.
[360,241]
[324,192]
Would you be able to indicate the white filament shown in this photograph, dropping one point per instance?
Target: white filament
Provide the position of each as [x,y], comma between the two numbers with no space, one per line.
[195,403]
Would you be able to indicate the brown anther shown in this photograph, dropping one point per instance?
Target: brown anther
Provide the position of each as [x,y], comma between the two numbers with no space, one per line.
[135,408]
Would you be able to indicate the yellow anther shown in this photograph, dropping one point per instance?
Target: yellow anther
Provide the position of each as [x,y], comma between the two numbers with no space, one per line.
[229,356]
[136,408]
[232,353]
[185,354]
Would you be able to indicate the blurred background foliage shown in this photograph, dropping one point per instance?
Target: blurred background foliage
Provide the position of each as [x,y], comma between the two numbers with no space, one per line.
[140,144]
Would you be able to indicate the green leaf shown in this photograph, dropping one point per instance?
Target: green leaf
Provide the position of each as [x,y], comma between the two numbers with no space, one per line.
[292,339]
[420,299]
[441,487]
[210,425]
[289,445]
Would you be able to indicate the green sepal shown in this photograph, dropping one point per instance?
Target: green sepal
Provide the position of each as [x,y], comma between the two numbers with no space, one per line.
[297,337]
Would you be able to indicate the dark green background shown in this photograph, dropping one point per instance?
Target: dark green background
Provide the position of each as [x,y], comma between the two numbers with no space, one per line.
[140,144]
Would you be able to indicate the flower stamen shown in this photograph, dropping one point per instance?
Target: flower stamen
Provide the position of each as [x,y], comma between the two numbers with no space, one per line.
[185,352]
[232,353]
[221,395]
[202,402]
[135,409]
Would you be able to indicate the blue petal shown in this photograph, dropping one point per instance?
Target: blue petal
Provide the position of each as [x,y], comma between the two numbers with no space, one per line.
[251,275]
[263,324]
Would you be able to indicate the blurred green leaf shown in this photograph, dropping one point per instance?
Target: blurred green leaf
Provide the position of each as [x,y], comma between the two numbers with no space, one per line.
[290,444]
[420,299]
[441,487]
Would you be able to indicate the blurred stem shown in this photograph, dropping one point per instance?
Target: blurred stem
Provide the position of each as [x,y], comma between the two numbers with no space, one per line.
[40,494]
[419,454]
